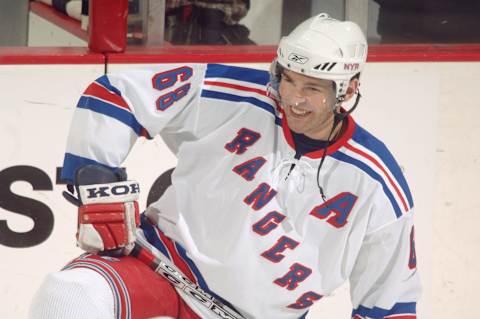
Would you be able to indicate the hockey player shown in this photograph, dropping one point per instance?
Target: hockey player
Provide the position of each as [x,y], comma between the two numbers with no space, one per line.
[278,198]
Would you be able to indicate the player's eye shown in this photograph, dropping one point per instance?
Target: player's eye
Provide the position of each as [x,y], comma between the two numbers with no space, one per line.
[313,89]
[286,79]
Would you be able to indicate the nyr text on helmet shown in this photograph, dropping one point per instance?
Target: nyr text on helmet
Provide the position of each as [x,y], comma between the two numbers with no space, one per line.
[351,66]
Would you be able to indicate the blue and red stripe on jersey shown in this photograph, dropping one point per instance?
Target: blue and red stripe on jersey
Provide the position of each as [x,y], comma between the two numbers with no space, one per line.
[237,73]
[177,254]
[102,97]
[230,83]
[238,98]
[367,140]
[379,165]
[401,310]
[166,246]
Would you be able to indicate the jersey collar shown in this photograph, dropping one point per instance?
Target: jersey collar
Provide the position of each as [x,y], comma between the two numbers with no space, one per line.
[347,134]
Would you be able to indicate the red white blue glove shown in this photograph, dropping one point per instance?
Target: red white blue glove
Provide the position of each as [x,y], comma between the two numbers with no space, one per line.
[108,216]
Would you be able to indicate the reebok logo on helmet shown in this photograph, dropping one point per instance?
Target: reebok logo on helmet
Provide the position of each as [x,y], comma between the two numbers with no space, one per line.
[297,58]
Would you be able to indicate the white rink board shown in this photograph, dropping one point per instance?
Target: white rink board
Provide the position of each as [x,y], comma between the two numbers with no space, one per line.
[35,113]
[415,108]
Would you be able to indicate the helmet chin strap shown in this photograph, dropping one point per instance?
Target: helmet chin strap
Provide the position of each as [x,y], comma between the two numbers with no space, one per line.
[338,118]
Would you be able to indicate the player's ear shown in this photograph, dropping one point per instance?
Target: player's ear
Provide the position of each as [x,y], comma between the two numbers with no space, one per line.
[352,88]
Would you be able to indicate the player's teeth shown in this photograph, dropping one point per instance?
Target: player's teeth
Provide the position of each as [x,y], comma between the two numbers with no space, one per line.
[298,111]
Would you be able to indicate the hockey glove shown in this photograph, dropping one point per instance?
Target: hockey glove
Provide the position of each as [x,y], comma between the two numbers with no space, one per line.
[108,213]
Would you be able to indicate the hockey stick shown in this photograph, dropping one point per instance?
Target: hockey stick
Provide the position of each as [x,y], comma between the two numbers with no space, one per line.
[93,174]
[177,279]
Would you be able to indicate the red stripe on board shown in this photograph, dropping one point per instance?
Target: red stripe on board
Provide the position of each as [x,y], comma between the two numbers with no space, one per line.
[424,53]
[195,54]
[59,19]
[266,53]
[377,164]
[177,260]
[391,317]
[237,87]
[227,54]
[96,90]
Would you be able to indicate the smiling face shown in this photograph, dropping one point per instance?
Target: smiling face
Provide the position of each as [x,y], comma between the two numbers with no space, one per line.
[308,104]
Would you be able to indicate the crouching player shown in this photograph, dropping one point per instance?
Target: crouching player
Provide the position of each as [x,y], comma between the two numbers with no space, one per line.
[278,198]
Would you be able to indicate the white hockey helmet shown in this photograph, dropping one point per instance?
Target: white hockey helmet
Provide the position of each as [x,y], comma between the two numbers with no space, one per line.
[325,48]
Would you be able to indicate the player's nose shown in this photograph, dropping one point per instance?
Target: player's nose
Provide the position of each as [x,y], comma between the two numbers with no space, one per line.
[298,92]
[298,99]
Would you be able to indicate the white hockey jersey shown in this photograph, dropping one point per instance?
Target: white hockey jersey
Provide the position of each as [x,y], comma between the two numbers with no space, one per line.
[261,238]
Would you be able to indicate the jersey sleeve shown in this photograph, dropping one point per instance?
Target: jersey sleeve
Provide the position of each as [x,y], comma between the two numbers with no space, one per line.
[384,282]
[115,110]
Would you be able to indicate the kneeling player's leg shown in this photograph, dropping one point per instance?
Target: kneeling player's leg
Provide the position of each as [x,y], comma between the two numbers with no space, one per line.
[76,293]
[108,288]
